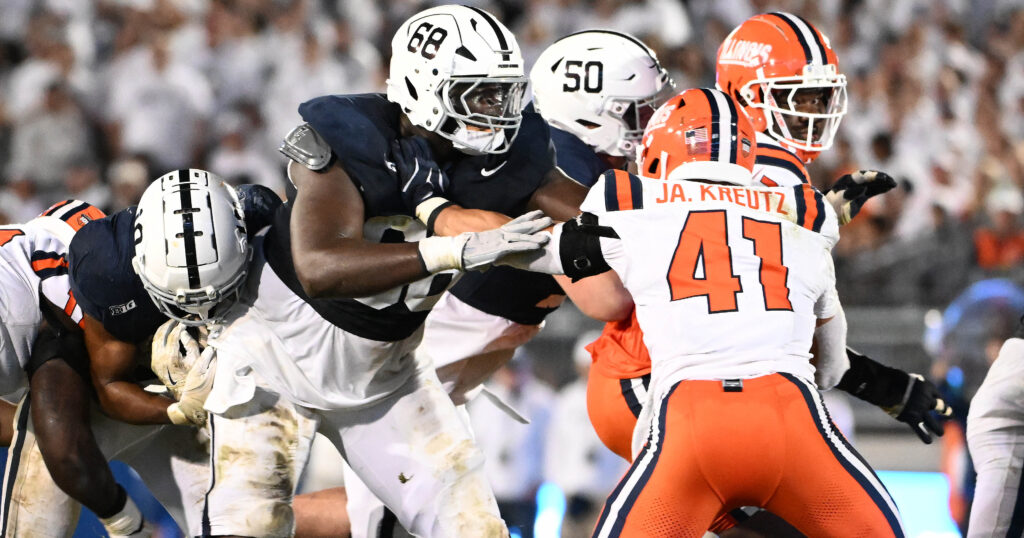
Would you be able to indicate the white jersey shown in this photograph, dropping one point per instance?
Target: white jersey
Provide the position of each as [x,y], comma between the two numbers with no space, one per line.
[33,260]
[728,281]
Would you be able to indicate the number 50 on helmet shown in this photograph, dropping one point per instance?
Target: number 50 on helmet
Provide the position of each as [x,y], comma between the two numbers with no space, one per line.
[191,251]
[458,72]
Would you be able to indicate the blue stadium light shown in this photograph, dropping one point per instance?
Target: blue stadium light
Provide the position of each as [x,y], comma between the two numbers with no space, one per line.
[923,500]
[550,511]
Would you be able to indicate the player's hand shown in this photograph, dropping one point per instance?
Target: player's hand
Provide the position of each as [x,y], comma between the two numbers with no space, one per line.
[851,191]
[516,236]
[922,397]
[197,383]
[420,178]
[167,358]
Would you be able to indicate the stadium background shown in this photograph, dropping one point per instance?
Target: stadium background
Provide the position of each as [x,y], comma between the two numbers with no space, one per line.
[99,97]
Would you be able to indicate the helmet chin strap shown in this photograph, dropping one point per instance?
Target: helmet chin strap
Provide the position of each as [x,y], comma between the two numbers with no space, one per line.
[477,142]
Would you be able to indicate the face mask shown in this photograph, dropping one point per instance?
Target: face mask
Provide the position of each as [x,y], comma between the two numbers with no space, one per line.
[478,142]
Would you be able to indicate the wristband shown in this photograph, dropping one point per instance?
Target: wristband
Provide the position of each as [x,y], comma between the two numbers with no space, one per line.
[442,253]
[425,211]
[176,415]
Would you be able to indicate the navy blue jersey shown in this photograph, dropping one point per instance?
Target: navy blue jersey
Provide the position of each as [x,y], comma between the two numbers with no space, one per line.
[104,283]
[576,159]
[515,294]
[360,130]
[102,277]
[259,204]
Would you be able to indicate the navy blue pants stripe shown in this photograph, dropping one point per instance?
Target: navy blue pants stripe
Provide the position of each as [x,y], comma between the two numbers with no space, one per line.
[623,512]
[634,404]
[207,531]
[14,458]
[880,501]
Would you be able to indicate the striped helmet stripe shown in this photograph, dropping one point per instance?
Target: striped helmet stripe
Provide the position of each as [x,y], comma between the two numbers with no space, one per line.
[803,34]
[188,230]
[815,37]
[494,26]
[722,125]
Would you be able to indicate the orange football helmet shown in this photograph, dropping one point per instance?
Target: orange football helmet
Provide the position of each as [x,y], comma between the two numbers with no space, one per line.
[765,62]
[699,134]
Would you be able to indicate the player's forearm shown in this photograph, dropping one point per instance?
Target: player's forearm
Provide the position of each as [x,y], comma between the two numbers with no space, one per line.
[356,268]
[127,402]
[602,297]
[453,220]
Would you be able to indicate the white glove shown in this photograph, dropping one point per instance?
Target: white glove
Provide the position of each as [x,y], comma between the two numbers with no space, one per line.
[166,358]
[196,386]
[478,250]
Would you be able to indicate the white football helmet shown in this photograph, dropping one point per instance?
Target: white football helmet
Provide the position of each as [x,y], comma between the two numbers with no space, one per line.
[191,250]
[457,71]
[601,86]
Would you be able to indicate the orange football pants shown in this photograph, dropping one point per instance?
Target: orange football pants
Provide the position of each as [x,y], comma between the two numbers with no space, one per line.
[613,406]
[771,444]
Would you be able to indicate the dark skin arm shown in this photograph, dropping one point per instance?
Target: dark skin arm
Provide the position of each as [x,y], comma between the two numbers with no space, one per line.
[60,416]
[559,197]
[111,363]
[6,422]
[331,258]
[61,399]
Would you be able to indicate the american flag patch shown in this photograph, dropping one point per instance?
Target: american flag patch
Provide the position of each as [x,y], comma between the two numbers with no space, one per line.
[746,146]
[697,141]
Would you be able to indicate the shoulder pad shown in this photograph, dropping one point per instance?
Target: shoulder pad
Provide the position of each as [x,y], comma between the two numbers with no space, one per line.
[305,146]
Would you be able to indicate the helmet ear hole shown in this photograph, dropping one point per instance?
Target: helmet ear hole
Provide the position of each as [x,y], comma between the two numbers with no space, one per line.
[653,167]
[412,89]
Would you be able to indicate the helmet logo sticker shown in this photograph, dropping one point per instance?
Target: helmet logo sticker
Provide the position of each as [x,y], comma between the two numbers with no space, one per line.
[697,141]
[745,53]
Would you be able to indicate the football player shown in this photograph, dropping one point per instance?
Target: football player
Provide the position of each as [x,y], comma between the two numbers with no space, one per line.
[994,428]
[38,313]
[785,77]
[596,89]
[702,254]
[347,274]
[181,254]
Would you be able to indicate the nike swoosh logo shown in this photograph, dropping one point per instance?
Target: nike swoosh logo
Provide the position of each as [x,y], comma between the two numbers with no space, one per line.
[487,173]
[170,379]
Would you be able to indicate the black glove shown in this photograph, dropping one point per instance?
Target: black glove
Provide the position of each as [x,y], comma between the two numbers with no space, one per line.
[910,398]
[916,410]
[851,191]
[420,178]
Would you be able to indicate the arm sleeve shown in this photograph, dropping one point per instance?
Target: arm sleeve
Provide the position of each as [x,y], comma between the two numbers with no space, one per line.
[831,360]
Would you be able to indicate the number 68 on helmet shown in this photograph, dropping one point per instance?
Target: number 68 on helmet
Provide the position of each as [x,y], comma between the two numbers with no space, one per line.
[191,251]
[458,71]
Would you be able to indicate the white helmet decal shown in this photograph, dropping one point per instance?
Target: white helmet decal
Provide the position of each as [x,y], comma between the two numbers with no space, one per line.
[601,86]
[457,71]
[191,251]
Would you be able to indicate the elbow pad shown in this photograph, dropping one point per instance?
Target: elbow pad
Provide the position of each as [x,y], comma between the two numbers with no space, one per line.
[580,247]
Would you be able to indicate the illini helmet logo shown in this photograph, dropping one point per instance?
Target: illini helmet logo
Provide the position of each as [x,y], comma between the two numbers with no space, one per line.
[744,53]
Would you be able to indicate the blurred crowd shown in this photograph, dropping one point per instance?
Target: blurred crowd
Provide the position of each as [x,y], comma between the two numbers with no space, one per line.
[99,97]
